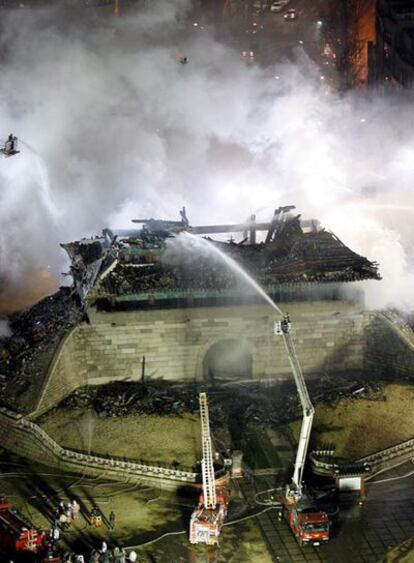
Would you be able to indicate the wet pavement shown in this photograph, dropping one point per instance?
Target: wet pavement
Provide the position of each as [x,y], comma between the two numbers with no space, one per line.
[363,533]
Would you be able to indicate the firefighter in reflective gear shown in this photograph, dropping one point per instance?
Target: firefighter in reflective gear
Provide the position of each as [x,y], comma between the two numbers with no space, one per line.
[95,517]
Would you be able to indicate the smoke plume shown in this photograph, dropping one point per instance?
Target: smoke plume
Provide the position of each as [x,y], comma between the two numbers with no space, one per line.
[115,128]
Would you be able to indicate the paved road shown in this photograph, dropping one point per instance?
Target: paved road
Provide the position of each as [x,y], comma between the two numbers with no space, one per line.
[274,40]
[362,533]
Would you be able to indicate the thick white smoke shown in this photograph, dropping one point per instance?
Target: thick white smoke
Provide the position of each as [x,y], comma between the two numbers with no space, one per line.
[121,129]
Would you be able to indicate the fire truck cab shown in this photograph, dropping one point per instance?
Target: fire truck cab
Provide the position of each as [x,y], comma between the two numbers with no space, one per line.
[208,518]
[309,526]
[206,523]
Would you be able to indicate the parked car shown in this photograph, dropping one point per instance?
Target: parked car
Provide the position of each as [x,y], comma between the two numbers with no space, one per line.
[290,15]
[248,56]
[278,5]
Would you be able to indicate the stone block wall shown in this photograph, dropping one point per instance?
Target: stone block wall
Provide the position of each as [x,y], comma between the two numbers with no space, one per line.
[66,373]
[328,337]
[175,342]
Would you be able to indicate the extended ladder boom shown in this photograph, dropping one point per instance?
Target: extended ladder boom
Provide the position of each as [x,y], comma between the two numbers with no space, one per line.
[308,413]
[307,409]
[207,467]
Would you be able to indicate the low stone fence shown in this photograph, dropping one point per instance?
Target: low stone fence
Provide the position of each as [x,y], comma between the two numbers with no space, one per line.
[27,439]
[376,461]
[379,460]
[320,467]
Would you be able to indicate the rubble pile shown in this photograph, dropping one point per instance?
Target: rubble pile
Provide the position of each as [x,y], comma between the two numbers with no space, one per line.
[36,334]
[165,399]
[233,405]
[369,391]
[126,398]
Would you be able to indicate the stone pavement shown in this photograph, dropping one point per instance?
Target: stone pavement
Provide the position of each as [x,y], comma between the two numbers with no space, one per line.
[364,535]
[361,534]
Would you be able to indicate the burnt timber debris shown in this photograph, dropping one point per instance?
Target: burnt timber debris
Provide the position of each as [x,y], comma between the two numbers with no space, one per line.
[255,401]
[26,355]
[135,267]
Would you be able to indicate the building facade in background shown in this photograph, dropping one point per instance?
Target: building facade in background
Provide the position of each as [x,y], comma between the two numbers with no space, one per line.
[391,59]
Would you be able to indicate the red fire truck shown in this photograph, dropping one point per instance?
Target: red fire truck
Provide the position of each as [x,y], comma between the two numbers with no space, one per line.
[208,518]
[206,523]
[16,533]
[308,524]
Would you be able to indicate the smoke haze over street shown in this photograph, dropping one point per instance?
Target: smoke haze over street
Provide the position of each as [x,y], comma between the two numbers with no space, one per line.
[120,129]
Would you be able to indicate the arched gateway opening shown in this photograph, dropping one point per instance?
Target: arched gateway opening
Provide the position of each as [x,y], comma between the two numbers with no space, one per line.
[229,359]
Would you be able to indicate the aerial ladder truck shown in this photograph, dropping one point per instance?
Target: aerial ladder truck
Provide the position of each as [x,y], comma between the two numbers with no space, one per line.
[208,518]
[309,525]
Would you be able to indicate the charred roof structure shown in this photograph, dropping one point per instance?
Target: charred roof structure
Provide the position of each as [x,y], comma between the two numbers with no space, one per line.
[140,269]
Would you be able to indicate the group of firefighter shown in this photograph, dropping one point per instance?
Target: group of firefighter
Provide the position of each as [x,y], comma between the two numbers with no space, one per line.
[104,554]
[63,517]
